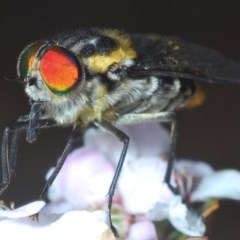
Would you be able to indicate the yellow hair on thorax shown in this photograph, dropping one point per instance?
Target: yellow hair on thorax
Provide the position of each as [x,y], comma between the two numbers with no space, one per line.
[101,62]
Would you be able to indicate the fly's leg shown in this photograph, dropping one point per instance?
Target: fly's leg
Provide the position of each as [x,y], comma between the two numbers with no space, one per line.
[73,138]
[125,139]
[33,118]
[9,160]
[13,151]
[171,155]
[32,121]
[5,160]
[9,154]
[162,117]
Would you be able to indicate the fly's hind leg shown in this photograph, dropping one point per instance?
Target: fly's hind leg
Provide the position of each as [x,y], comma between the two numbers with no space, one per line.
[137,118]
[125,139]
[162,117]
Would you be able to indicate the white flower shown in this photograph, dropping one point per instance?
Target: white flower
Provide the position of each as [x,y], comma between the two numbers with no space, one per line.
[140,186]
[86,176]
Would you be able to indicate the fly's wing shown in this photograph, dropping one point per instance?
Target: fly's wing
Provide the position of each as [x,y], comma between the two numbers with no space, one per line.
[173,57]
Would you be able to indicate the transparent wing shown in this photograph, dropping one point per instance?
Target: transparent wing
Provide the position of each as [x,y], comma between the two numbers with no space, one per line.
[174,57]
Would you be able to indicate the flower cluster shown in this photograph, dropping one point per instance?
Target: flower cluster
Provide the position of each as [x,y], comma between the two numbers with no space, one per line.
[78,197]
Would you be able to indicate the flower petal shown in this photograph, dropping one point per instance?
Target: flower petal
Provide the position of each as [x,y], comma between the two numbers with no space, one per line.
[24,211]
[184,220]
[220,184]
[142,184]
[80,224]
[144,230]
[198,169]
[83,181]
[139,144]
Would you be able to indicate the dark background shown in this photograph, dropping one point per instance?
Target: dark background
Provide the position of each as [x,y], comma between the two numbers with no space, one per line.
[209,133]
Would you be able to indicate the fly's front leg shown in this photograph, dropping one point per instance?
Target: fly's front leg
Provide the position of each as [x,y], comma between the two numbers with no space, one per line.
[9,154]
[162,117]
[9,160]
[34,116]
[32,121]
[14,151]
[21,124]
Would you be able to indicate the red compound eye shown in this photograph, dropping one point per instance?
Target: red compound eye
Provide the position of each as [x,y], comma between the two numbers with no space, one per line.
[60,69]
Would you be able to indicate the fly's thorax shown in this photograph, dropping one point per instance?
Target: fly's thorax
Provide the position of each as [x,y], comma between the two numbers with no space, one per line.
[99,49]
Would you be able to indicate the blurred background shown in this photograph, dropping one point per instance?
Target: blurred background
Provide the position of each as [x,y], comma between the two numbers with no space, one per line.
[210,132]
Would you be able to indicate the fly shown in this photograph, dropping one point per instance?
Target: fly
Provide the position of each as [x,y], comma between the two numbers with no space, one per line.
[102,77]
